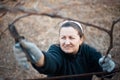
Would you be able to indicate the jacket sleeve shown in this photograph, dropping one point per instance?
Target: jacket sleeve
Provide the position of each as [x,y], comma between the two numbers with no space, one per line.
[93,58]
[53,61]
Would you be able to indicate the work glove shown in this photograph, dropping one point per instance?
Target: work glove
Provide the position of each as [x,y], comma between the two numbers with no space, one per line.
[33,52]
[107,64]
[20,56]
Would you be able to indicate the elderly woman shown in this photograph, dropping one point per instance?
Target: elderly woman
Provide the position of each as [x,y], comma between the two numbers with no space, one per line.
[71,56]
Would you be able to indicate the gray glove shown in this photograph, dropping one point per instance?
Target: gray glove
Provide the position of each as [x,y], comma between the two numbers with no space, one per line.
[20,56]
[108,64]
[33,52]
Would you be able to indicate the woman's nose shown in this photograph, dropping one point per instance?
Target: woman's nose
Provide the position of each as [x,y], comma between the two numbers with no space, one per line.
[67,41]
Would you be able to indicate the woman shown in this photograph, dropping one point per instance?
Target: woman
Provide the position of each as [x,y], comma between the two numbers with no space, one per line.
[71,56]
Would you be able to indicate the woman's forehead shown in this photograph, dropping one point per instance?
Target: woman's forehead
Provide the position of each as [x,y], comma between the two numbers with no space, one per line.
[68,31]
[74,24]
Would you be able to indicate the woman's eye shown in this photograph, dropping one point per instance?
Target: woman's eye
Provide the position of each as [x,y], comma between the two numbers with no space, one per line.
[72,38]
[68,37]
[62,37]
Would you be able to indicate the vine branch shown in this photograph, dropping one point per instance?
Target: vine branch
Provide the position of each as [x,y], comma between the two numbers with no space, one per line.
[110,33]
[53,14]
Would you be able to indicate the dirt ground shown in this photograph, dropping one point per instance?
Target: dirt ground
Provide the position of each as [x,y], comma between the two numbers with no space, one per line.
[43,30]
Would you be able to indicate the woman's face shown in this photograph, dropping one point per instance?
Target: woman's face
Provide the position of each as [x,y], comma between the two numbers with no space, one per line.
[69,40]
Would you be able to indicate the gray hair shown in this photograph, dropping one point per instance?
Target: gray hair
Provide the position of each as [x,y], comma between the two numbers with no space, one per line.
[76,25]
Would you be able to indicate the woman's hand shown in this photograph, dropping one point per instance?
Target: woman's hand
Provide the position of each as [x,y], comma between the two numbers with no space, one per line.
[107,64]
[34,54]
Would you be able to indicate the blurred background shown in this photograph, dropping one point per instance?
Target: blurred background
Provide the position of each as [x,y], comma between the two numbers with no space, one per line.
[42,29]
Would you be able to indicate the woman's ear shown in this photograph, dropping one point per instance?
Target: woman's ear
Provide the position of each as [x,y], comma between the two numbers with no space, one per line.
[81,40]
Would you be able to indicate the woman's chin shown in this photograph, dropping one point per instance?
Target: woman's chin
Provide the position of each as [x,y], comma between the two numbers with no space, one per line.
[68,51]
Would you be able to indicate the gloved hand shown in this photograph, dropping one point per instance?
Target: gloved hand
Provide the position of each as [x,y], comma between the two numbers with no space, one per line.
[20,56]
[108,64]
[33,52]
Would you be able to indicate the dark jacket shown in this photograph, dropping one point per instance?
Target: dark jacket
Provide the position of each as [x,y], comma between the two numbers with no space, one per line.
[59,63]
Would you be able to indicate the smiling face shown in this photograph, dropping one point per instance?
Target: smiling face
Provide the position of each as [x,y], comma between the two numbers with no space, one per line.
[70,40]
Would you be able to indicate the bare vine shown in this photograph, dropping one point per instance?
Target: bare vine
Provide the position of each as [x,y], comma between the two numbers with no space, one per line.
[53,14]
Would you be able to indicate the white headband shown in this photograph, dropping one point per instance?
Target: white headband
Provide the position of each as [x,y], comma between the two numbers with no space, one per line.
[73,22]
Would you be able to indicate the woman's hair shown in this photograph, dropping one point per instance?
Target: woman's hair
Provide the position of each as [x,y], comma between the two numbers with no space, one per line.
[76,25]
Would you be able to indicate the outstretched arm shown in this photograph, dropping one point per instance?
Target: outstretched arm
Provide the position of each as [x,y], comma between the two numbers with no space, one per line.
[33,53]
